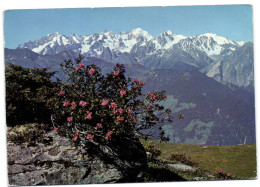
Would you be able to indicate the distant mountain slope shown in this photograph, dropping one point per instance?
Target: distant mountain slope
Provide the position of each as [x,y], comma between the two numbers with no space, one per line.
[235,67]
[29,59]
[214,113]
[23,57]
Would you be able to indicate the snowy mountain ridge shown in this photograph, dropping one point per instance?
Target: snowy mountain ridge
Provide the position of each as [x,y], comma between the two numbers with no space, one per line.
[216,56]
[93,45]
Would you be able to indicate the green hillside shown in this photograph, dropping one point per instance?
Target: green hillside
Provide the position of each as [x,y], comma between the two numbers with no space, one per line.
[239,160]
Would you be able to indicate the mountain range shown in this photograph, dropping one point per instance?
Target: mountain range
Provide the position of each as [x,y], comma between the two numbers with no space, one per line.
[207,53]
[208,78]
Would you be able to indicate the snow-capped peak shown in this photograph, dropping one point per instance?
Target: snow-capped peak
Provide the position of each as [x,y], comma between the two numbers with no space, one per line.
[166,40]
[138,31]
[240,43]
[141,32]
[105,32]
[219,39]
[55,34]
[209,34]
[211,43]
[169,32]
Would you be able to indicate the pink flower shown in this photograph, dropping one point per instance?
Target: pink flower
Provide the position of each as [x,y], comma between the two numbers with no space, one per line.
[77,68]
[113,105]
[114,111]
[120,110]
[75,135]
[83,104]
[89,115]
[123,92]
[73,105]
[61,93]
[81,65]
[104,102]
[129,112]
[99,125]
[56,129]
[116,73]
[136,80]
[108,135]
[69,119]
[142,83]
[90,137]
[152,96]
[120,118]
[66,103]
[75,138]
[92,71]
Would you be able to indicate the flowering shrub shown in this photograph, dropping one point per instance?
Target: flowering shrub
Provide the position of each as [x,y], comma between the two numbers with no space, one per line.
[183,158]
[152,150]
[96,108]
[221,174]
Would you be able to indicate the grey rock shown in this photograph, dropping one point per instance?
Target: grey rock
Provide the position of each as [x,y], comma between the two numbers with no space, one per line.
[61,162]
[181,167]
[199,178]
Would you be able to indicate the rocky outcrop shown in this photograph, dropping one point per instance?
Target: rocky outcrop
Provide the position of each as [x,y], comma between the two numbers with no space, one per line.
[57,161]
[182,167]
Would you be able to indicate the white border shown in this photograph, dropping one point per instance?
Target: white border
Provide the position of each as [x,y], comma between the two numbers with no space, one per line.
[32,4]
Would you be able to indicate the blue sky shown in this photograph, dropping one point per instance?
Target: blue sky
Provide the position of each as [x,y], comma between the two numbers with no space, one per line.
[231,21]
